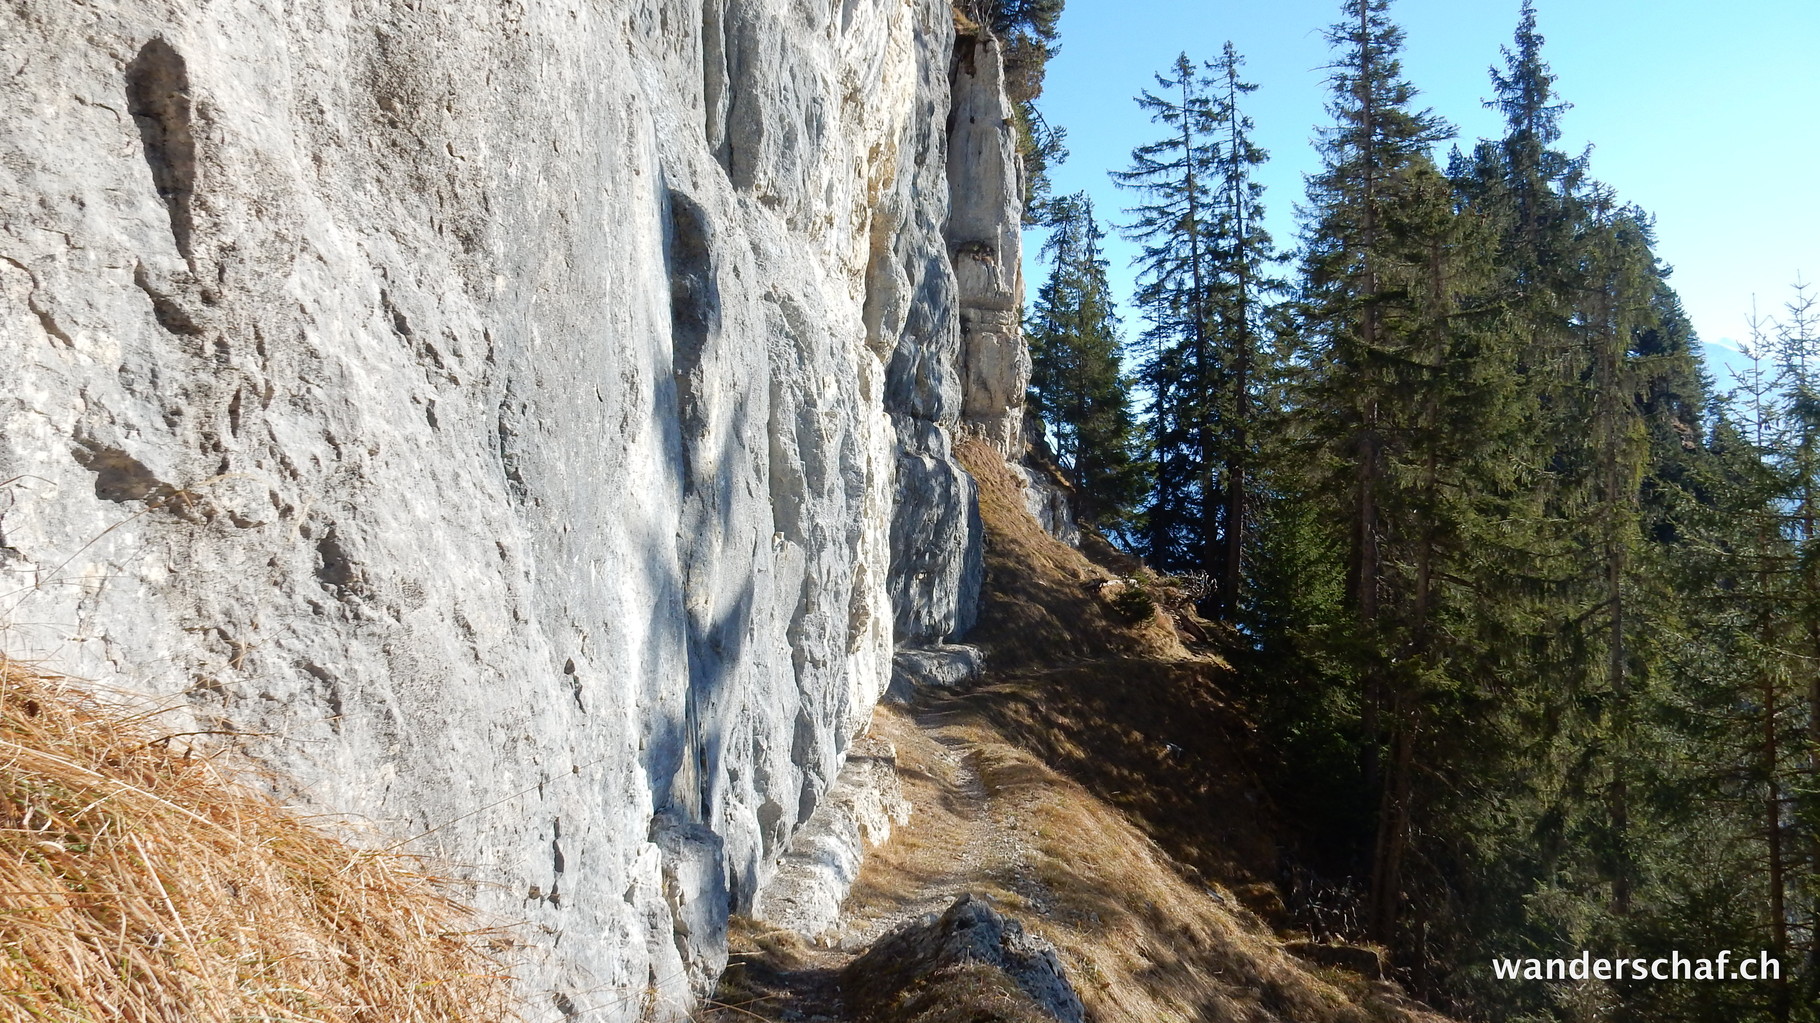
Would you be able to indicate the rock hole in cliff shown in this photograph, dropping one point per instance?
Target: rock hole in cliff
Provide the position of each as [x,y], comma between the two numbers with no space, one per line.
[335,569]
[556,860]
[400,324]
[574,677]
[158,97]
[966,49]
[119,477]
[172,317]
[694,299]
[330,691]
[694,306]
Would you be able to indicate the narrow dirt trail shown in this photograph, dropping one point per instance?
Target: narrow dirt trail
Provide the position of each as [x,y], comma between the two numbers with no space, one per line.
[1142,938]
[965,837]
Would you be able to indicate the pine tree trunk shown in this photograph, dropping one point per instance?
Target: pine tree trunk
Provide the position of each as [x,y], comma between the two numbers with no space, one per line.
[1393,828]
[1232,562]
[1772,836]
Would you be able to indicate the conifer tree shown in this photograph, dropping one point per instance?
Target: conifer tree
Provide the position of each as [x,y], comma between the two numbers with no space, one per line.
[1377,300]
[1615,308]
[1796,356]
[1180,369]
[1537,178]
[1242,262]
[1748,691]
[1205,275]
[1368,156]
[1077,385]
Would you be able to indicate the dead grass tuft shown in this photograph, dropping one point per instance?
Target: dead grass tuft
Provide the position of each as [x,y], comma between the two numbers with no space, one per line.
[141,883]
[964,993]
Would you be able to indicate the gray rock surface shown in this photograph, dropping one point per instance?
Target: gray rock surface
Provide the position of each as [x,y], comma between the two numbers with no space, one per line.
[939,666]
[818,869]
[529,422]
[970,931]
[985,176]
[1050,503]
[1365,960]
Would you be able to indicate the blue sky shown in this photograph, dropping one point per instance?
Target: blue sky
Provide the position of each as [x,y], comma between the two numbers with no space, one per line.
[1705,114]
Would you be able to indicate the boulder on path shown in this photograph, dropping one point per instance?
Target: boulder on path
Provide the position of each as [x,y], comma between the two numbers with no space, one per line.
[941,950]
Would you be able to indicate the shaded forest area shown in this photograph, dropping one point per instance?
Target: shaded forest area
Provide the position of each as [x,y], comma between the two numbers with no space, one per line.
[1528,607]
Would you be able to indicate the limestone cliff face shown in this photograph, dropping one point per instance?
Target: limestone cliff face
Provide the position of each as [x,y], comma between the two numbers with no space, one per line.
[529,421]
[985,179]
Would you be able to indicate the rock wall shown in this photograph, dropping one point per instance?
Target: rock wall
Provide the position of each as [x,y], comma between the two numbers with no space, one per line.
[526,422]
[985,177]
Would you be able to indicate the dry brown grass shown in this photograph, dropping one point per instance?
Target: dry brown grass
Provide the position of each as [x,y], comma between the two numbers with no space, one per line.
[1043,600]
[1143,940]
[1130,710]
[1157,740]
[139,882]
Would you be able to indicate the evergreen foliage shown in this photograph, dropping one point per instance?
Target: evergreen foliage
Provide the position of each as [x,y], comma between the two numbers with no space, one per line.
[1076,382]
[1204,286]
[1530,612]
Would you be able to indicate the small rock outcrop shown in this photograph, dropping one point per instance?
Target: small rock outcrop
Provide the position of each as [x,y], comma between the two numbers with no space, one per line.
[823,859]
[936,666]
[1365,960]
[969,932]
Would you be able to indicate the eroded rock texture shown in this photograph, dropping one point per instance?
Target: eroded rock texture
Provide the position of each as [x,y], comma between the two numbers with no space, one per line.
[528,421]
[984,172]
[823,859]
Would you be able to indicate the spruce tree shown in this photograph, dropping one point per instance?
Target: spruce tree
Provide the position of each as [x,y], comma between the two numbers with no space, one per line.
[1241,264]
[1796,356]
[1536,177]
[1077,384]
[1615,306]
[1203,287]
[1180,368]
[1368,155]
[1377,297]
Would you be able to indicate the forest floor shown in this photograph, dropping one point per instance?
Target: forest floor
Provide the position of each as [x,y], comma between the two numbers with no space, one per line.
[1095,786]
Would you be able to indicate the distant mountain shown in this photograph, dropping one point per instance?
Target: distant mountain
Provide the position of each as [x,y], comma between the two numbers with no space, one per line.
[1724,364]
